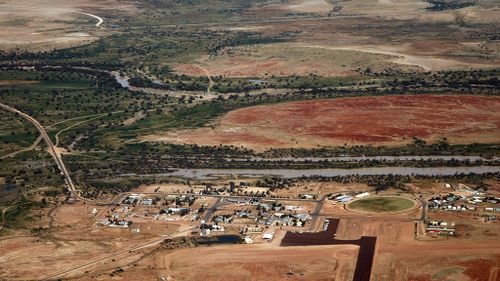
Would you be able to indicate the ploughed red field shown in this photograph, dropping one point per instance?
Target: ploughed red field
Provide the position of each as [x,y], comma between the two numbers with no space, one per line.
[378,120]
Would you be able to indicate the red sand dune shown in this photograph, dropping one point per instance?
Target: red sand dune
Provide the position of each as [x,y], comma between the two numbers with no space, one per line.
[381,120]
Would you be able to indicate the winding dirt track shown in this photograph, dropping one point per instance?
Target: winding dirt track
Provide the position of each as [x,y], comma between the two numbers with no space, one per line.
[74,125]
[98,18]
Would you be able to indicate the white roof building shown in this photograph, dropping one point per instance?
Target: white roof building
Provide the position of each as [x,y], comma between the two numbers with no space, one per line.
[268,236]
[362,195]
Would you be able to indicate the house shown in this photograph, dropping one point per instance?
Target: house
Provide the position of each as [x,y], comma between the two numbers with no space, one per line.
[440,227]
[223,218]
[119,223]
[343,198]
[307,196]
[244,214]
[217,228]
[279,215]
[253,229]
[129,200]
[303,217]
[277,208]
[147,201]
[362,195]
[134,196]
[176,211]
[264,206]
[268,236]
[255,201]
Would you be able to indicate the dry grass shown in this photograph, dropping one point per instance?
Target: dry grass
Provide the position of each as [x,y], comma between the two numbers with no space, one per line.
[285,59]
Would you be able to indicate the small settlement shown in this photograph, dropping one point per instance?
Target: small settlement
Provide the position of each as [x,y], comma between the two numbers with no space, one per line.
[255,214]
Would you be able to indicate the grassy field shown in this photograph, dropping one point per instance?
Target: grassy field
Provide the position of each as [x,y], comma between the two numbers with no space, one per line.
[382,204]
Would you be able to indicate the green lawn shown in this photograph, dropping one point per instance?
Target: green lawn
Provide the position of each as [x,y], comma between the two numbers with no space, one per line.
[382,204]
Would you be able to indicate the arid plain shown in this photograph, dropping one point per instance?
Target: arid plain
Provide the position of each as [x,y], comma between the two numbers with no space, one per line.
[103,101]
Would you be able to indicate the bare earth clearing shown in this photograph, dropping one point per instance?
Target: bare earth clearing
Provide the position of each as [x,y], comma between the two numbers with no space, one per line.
[41,25]
[259,262]
[383,120]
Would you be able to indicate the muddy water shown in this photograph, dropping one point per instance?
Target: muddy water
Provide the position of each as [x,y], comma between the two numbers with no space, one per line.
[291,173]
[121,80]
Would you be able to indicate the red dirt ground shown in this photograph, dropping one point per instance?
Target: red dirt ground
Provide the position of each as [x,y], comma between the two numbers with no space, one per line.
[479,269]
[382,120]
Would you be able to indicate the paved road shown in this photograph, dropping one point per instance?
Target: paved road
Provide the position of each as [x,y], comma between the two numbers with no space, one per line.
[316,213]
[211,210]
[425,209]
[51,148]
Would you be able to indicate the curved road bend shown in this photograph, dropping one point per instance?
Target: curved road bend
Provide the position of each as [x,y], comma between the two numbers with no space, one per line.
[52,149]
[98,18]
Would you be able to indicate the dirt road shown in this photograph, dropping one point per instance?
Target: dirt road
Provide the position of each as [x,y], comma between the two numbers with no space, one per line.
[98,18]
[31,147]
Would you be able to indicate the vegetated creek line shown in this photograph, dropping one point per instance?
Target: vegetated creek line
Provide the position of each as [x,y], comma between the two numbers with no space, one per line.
[373,158]
[294,173]
[123,81]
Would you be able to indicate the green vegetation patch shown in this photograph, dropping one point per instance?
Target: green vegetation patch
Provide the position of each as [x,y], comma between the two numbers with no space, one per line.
[382,204]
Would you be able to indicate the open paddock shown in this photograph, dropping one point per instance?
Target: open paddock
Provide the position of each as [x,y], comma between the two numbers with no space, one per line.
[434,261]
[258,262]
